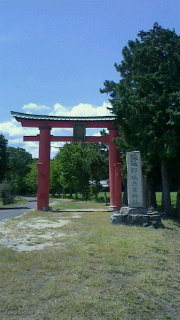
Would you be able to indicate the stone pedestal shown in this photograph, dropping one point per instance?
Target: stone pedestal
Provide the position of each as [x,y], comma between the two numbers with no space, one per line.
[137,210]
[138,217]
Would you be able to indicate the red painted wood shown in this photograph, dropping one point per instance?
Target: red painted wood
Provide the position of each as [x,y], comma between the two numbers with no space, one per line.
[113,160]
[87,139]
[63,123]
[31,138]
[68,139]
[118,192]
[43,170]
[97,139]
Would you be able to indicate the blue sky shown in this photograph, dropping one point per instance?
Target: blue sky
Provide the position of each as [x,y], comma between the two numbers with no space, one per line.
[56,54]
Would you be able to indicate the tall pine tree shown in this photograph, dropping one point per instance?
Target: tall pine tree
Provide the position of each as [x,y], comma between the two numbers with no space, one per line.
[147,97]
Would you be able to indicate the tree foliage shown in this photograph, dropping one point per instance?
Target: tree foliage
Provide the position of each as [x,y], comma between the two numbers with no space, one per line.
[6,193]
[74,175]
[56,183]
[18,167]
[146,99]
[76,164]
[3,157]
[31,178]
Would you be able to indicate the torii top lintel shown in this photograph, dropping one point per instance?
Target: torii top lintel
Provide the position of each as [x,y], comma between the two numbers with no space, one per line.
[37,121]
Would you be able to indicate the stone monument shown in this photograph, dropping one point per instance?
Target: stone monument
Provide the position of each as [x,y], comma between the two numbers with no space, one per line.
[135,213]
[134,179]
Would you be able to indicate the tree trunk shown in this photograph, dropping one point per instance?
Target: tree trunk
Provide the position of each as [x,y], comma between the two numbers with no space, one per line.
[63,192]
[166,199]
[125,194]
[178,202]
[151,197]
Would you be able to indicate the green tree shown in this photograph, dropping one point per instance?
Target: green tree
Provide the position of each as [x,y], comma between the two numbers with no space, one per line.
[146,99]
[78,163]
[3,157]
[55,177]
[31,178]
[97,165]
[6,193]
[74,174]
[18,167]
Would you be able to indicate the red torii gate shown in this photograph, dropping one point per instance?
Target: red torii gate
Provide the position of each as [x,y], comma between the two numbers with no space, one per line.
[79,124]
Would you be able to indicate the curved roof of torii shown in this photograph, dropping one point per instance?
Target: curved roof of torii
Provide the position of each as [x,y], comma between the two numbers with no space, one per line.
[59,118]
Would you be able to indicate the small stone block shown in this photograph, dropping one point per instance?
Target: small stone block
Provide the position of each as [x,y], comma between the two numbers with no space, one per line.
[128,210]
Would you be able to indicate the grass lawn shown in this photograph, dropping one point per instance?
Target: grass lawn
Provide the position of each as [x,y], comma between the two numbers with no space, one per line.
[173,198]
[97,271]
[79,204]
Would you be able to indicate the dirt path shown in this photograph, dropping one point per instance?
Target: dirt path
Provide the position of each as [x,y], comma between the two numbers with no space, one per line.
[28,234]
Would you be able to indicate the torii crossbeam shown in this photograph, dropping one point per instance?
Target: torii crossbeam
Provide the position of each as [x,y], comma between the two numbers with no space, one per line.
[79,125]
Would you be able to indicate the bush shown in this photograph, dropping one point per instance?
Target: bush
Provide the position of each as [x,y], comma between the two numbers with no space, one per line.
[6,193]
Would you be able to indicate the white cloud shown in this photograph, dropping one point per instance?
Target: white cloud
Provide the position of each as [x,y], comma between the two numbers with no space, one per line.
[59,110]
[17,142]
[82,109]
[89,110]
[11,128]
[34,106]
[32,147]
[30,131]
[62,132]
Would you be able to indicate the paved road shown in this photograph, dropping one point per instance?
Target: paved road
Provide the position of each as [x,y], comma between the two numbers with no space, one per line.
[14,212]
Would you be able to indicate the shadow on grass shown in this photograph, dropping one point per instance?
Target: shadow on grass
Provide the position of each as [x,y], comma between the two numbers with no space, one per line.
[13,208]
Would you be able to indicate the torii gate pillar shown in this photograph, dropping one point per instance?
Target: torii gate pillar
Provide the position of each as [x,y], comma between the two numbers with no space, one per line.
[43,169]
[114,171]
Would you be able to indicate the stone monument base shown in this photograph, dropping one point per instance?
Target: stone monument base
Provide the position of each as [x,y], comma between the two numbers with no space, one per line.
[138,217]
[128,210]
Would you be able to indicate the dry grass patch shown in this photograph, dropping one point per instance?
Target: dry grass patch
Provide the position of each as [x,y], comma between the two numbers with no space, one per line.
[78,204]
[97,271]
